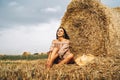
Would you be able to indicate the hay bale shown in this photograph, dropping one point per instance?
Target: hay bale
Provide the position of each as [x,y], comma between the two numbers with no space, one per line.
[90,27]
[116,22]
[2,55]
[26,53]
[117,9]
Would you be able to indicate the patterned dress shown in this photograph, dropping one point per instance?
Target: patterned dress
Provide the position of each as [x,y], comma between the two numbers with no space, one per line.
[63,47]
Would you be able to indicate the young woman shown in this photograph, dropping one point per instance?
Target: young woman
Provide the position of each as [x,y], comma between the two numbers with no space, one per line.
[59,50]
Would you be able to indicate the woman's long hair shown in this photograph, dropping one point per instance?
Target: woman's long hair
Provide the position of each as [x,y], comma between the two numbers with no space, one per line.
[65,33]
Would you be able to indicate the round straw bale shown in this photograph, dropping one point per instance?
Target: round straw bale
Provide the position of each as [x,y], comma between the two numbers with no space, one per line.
[89,25]
[26,53]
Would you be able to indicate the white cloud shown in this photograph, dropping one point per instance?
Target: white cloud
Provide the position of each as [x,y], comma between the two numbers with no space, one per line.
[16,7]
[52,9]
[33,38]
[19,8]
[13,3]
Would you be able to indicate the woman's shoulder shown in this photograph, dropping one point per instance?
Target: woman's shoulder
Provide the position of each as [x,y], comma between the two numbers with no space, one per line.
[67,41]
[55,40]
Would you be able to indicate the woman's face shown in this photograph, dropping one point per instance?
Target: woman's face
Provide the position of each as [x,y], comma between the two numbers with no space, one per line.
[60,32]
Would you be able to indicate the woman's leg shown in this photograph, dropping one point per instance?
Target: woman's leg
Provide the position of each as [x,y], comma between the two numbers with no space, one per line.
[49,55]
[67,59]
[52,57]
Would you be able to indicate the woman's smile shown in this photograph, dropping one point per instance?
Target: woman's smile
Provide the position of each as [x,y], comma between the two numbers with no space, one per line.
[60,32]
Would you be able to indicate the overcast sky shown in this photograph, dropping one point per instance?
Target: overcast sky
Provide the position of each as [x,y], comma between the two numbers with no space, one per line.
[30,25]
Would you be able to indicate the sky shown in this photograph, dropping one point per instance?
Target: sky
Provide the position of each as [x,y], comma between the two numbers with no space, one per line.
[30,25]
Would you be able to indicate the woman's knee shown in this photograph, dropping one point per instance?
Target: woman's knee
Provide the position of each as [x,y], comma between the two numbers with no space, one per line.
[54,52]
[71,56]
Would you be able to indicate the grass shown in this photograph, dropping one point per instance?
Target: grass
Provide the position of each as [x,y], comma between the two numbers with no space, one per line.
[20,57]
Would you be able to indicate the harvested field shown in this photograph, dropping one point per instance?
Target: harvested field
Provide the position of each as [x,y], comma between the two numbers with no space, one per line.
[35,70]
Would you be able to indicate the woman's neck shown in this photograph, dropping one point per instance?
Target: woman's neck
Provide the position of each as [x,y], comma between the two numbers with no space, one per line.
[61,38]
